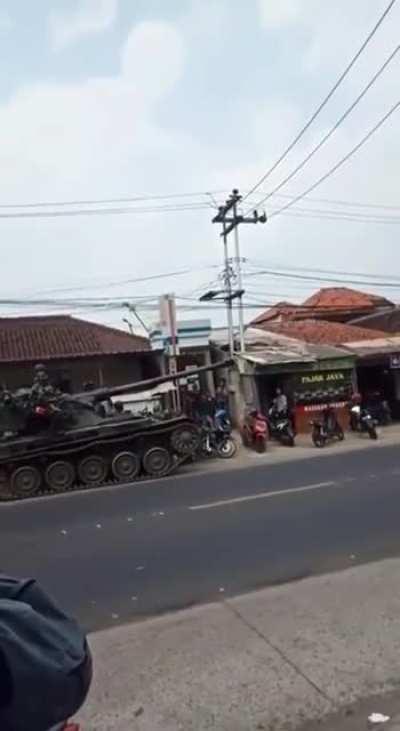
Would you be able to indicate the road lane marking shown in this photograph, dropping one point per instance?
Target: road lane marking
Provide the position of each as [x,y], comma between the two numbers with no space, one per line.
[261,496]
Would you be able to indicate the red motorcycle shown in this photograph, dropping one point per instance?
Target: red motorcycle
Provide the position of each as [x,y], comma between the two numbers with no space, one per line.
[255,431]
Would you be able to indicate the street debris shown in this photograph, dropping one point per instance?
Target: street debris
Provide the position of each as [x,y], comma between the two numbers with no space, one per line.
[139,568]
[134,598]
[352,557]
[98,525]
[64,532]
[115,616]
[130,520]
[139,712]
[378,718]
[221,588]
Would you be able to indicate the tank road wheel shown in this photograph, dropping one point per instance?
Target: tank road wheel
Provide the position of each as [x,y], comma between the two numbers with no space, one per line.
[4,482]
[157,461]
[92,470]
[26,481]
[125,466]
[60,476]
[185,439]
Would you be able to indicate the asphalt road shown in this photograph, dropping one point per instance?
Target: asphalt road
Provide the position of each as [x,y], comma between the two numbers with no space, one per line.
[117,554]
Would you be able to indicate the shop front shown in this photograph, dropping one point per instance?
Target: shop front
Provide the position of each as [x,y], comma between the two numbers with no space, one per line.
[378,375]
[315,390]
[309,387]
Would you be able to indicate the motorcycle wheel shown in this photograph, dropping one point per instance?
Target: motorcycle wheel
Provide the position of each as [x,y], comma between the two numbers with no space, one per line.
[318,439]
[227,449]
[288,439]
[340,434]
[260,445]
[372,433]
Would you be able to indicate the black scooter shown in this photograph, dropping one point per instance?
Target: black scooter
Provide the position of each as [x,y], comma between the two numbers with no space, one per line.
[328,429]
[361,420]
[280,427]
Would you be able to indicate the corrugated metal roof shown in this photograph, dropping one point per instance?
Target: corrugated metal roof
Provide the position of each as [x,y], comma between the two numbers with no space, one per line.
[374,346]
[269,348]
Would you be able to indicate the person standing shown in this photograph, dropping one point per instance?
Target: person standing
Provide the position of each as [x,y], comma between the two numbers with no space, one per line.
[280,402]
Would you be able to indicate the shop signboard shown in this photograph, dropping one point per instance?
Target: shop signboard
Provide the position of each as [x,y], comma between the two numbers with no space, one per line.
[322,385]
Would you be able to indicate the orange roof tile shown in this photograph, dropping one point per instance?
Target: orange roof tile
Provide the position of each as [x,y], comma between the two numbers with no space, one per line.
[322,332]
[62,336]
[282,310]
[345,298]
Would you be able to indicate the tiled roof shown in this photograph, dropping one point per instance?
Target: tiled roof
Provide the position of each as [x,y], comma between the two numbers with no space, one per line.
[322,332]
[280,311]
[62,336]
[345,298]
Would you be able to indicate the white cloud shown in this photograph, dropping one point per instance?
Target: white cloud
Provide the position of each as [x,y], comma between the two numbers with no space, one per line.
[93,139]
[153,57]
[79,130]
[6,22]
[275,14]
[88,18]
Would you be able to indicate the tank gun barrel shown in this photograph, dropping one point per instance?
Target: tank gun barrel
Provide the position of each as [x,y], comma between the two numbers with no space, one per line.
[100,394]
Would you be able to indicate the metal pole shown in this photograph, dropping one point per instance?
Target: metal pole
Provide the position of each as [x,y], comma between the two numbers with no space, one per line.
[228,288]
[173,363]
[239,281]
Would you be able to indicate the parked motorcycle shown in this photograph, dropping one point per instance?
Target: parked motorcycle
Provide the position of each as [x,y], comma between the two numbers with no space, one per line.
[328,429]
[361,420]
[217,439]
[281,427]
[255,431]
[380,411]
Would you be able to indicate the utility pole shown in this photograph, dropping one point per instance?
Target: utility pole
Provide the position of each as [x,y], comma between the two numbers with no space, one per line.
[227,294]
[227,279]
[229,224]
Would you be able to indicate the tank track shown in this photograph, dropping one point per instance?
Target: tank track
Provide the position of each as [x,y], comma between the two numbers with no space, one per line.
[91,445]
[111,482]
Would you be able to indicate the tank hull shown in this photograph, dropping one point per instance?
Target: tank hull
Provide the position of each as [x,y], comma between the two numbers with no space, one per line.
[115,450]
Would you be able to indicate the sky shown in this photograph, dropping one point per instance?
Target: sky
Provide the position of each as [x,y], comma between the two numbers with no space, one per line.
[105,99]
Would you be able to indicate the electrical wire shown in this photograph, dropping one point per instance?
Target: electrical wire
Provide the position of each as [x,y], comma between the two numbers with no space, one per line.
[136,280]
[363,216]
[339,164]
[107,211]
[347,215]
[311,278]
[200,204]
[333,129]
[102,201]
[325,100]
[332,217]
[340,202]
[260,265]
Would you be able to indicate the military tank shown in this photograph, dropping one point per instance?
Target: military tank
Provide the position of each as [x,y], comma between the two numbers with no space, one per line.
[54,442]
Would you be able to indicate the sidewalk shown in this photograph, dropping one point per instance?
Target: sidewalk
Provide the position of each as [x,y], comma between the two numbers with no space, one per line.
[272,659]
[304,449]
